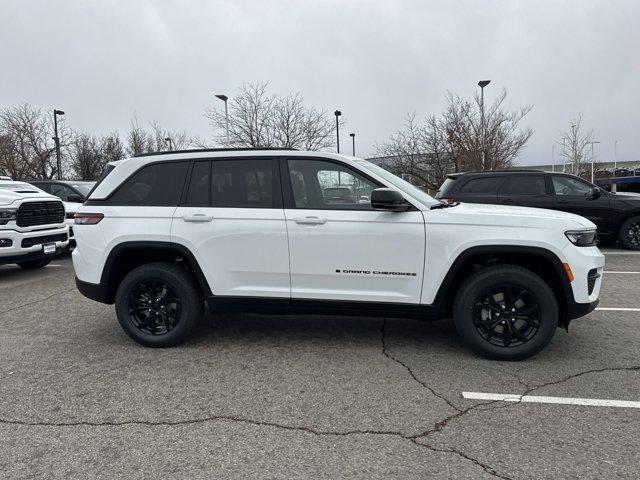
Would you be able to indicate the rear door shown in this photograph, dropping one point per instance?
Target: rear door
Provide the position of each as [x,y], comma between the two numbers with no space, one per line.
[480,189]
[345,250]
[231,218]
[529,190]
[572,194]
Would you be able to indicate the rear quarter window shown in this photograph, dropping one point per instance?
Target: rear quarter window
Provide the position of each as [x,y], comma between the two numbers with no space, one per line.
[485,185]
[155,185]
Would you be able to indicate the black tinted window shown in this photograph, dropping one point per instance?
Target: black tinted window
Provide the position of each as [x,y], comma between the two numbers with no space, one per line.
[488,185]
[524,185]
[155,185]
[242,183]
[198,194]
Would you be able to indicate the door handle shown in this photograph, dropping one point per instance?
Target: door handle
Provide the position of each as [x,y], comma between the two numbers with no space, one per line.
[310,220]
[197,217]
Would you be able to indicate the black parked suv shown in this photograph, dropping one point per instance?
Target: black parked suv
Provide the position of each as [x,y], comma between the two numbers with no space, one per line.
[617,216]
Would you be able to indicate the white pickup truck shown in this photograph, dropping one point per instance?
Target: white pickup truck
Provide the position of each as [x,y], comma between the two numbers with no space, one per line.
[32,225]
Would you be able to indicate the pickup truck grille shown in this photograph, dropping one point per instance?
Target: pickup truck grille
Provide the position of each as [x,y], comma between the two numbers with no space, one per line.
[30,242]
[32,214]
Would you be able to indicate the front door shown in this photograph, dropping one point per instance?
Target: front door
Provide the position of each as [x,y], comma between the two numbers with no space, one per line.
[232,219]
[342,249]
[573,195]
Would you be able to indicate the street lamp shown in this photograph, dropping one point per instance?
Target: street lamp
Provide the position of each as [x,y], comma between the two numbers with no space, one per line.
[482,84]
[337,113]
[615,157]
[57,141]
[224,98]
[170,142]
[353,143]
[592,143]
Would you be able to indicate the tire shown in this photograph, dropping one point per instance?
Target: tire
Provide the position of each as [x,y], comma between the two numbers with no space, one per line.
[158,304]
[34,264]
[629,233]
[487,304]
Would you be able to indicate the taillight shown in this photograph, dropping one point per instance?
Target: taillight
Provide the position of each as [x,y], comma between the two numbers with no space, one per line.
[87,218]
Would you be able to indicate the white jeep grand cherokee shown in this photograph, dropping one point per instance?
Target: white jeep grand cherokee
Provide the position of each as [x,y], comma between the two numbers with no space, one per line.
[32,225]
[264,231]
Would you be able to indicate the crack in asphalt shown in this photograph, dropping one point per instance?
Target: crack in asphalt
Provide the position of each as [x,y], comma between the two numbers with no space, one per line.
[44,299]
[386,353]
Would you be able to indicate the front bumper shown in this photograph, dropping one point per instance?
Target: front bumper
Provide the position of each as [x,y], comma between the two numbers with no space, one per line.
[15,252]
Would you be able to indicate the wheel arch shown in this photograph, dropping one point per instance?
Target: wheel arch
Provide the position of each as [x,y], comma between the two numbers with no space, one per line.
[541,261]
[126,256]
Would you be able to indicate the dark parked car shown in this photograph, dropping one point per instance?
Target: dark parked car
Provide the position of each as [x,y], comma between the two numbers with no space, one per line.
[66,190]
[617,216]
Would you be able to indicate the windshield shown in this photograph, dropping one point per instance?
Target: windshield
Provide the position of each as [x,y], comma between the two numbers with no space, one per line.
[83,188]
[401,184]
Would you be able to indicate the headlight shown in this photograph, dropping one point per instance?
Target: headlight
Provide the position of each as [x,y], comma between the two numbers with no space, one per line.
[7,214]
[582,238]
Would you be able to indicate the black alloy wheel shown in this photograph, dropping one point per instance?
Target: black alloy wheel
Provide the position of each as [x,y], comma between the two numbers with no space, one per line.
[154,307]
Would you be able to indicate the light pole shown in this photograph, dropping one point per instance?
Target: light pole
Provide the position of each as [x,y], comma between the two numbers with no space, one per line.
[337,113]
[615,157]
[57,141]
[353,143]
[592,157]
[482,84]
[553,158]
[224,98]
[170,142]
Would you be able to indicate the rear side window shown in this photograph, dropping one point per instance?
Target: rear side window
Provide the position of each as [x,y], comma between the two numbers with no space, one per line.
[524,185]
[485,185]
[243,183]
[157,185]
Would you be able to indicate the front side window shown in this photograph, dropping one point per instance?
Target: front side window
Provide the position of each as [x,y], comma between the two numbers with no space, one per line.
[570,186]
[524,185]
[158,184]
[243,183]
[322,185]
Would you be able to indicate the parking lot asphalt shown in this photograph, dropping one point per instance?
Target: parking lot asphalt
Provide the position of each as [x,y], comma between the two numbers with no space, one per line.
[255,396]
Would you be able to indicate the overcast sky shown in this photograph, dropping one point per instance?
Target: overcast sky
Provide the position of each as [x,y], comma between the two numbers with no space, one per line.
[104,61]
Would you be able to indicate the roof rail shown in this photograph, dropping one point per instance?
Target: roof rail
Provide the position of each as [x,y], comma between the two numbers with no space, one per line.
[205,150]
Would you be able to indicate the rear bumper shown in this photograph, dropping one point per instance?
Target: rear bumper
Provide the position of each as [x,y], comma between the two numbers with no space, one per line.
[93,291]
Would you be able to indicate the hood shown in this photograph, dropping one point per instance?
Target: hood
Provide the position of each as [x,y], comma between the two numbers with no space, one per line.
[8,197]
[503,215]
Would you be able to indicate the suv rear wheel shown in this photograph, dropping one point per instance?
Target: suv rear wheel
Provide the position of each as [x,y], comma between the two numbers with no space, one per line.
[158,304]
[629,234]
[505,313]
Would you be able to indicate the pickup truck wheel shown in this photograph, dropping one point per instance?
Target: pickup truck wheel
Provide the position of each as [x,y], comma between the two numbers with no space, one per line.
[158,304]
[34,264]
[505,313]
[629,235]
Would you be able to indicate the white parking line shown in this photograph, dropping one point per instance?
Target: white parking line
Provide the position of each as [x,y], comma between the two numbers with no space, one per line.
[620,271]
[616,309]
[589,402]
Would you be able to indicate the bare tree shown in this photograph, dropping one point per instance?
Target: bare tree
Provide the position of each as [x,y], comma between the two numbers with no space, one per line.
[140,140]
[574,146]
[419,151]
[90,154]
[499,137]
[259,119]
[28,150]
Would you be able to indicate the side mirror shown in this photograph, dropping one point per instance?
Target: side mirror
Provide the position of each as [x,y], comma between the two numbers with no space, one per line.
[75,198]
[594,193]
[389,200]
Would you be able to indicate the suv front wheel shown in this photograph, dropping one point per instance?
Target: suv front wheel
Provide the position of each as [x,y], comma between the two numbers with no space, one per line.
[629,233]
[505,312]
[158,304]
